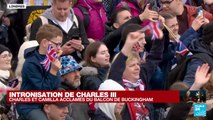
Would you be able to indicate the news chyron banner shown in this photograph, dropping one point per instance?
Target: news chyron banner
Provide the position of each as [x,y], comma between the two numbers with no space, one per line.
[92,96]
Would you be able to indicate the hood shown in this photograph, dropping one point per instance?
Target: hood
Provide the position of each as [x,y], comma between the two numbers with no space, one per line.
[85,71]
[28,52]
[198,46]
[48,14]
[90,4]
[109,108]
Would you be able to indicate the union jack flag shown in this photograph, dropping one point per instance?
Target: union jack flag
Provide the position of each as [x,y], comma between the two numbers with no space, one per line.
[50,55]
[154,29]
[181,49]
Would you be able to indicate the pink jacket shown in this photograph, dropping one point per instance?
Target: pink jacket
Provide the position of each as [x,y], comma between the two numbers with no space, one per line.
[97,16]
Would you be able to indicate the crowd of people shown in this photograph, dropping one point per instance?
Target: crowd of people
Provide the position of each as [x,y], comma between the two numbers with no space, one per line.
[109,45]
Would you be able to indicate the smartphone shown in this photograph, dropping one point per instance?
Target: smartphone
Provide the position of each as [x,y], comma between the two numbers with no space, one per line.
[153,5]
[200,11]
[75,37]
[13,83]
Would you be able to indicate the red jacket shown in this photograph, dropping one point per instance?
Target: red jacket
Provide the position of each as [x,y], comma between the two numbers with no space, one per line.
[192,11]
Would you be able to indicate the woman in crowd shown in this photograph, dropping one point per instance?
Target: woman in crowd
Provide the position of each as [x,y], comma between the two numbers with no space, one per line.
[109,111]
[95,18]
[95,66]
[6,81]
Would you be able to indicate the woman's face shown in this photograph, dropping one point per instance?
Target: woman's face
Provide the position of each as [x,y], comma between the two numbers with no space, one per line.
[132,70]
[102,56]
[119,107]
[5,60]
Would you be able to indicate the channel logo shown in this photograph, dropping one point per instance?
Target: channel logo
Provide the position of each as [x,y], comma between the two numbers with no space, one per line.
[16,6]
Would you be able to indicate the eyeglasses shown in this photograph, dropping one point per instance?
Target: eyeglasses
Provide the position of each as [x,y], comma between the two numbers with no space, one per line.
[6,55]
[166,2]
[56,44]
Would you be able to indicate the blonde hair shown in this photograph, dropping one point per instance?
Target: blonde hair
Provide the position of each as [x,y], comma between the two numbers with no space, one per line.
[132,56]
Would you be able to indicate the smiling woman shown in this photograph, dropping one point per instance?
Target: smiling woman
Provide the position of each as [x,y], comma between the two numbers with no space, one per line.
[5,66]
[5,75]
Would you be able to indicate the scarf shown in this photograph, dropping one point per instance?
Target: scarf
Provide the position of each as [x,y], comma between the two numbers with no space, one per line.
[4,74]
[138,85]
[138,111]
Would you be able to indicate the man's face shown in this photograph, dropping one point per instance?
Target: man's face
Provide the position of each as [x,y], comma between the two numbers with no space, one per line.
[173,25]
[122,17]
[73,78]
[55,112]
[170,5]
[61,10]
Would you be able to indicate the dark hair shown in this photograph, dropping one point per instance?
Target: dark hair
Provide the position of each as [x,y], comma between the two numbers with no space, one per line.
[126,30]
[48,32]
[167,15]
[91,51]
[114,15]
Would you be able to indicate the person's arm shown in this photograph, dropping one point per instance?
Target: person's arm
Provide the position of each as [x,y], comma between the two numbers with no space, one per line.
[201,77]
[117,68]
[154,57]
[112,39]
[83,34]
[192,32]
[192,66]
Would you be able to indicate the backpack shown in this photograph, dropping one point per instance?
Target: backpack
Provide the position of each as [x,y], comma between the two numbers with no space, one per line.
[178,73]
[44,20]
[85,14]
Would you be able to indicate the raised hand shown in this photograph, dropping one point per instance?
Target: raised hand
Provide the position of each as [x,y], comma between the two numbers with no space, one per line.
[55,66]
[201,77]
[149,14]
[198,22]
[131,40]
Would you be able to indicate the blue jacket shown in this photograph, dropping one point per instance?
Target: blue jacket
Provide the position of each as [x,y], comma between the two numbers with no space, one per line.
[35,77]
[197,46]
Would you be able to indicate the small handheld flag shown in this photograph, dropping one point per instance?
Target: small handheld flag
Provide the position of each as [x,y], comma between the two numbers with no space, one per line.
[50,56]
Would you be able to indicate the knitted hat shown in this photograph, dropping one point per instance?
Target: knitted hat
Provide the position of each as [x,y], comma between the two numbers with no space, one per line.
[69,64]
[4,48]
[207,36]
